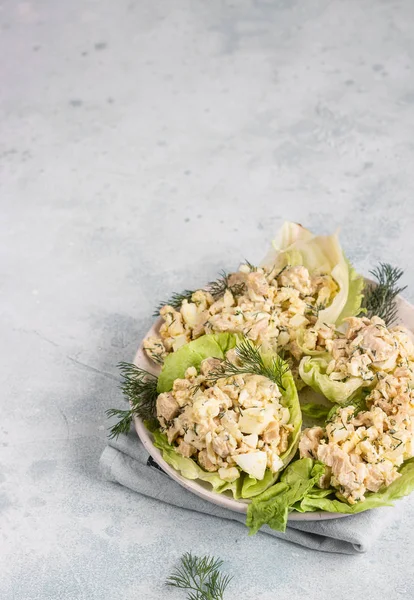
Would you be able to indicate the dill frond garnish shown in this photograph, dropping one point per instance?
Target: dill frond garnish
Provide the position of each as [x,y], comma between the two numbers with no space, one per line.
[238,289]
[175,301]
[281,271]
[379,299]
[216,288]
[155,357]
[201,576]
[123,424]
[250,361]
[252,268]
[314,310]
[140,390]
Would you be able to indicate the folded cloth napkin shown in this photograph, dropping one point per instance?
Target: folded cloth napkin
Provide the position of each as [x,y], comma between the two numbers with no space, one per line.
[125,461]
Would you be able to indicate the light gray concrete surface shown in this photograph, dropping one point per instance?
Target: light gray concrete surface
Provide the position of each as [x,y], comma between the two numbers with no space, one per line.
[144,146]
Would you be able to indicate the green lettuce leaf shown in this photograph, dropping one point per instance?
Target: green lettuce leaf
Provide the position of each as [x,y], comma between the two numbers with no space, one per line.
[272,507]
[298,490]
[290,399]
[295,245]
[319,412]
[317,499]
[313,372]
[355,295]
[192,355]
[252,487]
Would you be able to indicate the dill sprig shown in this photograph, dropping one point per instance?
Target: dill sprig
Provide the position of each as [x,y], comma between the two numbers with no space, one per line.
[201,576]
[252,268]
[314,310]
[379,299]
[140,389]
[282,270]
[175,301]
[216,288]
[250,361]
[123,424]
[238,289]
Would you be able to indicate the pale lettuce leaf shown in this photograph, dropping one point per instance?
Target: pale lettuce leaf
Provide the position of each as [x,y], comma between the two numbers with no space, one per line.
[355,295]
[295,245]
[313,372]
[288,234]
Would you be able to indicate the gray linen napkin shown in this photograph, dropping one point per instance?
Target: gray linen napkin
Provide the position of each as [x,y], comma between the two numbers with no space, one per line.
[125,461]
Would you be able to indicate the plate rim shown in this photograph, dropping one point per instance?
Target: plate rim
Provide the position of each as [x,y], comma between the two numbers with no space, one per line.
[194,485]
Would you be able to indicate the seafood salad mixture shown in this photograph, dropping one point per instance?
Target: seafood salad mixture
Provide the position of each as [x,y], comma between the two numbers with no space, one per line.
[268,305]
[230,422]
[235,359]
[363,449]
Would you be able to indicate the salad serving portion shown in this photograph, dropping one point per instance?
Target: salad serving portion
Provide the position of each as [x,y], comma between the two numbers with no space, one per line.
[231,418]
[236,361]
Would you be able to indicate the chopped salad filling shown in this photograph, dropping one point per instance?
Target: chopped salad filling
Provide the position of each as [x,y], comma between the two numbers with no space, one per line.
[366,348]
[363,450]
[230,425]
[268,306]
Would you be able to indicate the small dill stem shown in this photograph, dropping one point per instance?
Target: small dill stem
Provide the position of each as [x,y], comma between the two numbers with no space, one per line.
[250,361]
[380,298]
[140,390]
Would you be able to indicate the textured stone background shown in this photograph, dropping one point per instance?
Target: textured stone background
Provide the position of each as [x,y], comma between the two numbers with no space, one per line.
[145,145]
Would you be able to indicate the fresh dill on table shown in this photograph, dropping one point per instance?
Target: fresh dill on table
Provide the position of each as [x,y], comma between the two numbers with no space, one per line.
[380,298]
[250,361]
[200,576]
[140,390]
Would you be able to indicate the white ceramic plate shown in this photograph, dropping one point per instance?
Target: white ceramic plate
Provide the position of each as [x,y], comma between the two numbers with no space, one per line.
[202,488]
